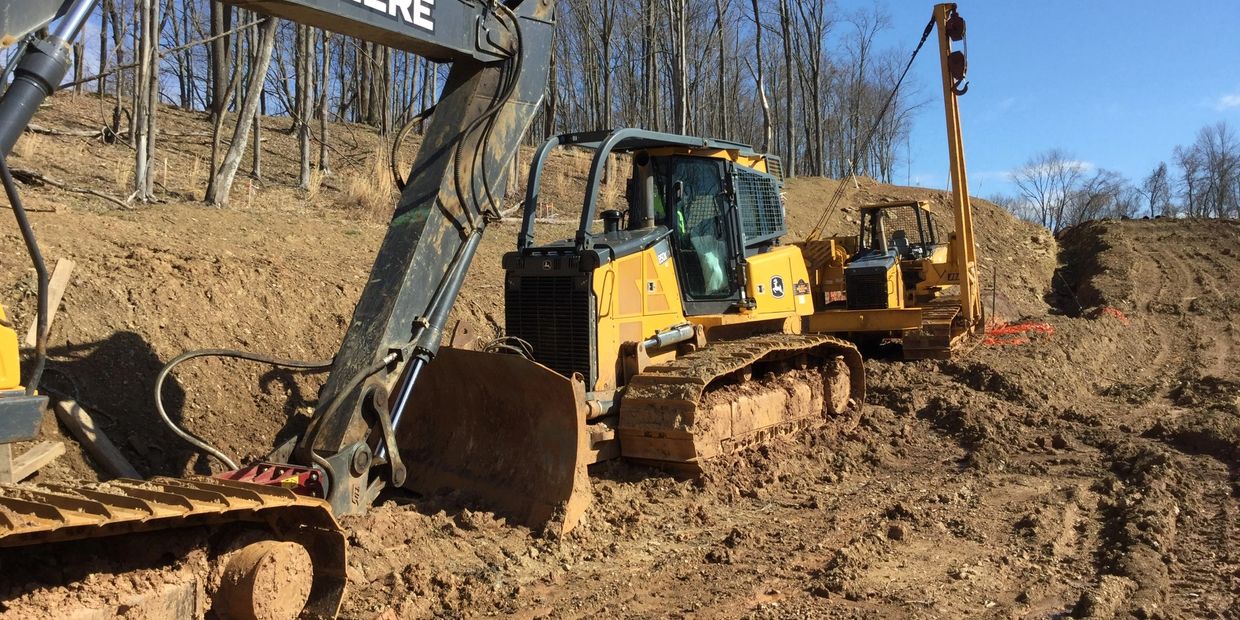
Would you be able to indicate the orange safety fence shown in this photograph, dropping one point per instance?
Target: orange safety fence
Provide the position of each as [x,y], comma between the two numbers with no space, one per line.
[1012,334]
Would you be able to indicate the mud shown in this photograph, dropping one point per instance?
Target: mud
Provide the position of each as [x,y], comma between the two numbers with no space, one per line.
[1088,472]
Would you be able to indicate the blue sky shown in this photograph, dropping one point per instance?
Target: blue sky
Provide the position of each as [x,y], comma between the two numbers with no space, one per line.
[1118,84]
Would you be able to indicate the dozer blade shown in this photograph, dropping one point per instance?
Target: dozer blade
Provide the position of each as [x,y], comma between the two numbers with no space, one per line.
[502,429]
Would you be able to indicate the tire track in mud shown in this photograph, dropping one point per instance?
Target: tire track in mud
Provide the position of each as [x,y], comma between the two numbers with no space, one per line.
[1169,512]
[1205,575]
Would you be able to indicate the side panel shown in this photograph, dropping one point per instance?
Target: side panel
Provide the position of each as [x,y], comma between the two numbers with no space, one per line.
[837,321]
[779,282]
[438,29]
[937,271]
[10,370]
[638,295]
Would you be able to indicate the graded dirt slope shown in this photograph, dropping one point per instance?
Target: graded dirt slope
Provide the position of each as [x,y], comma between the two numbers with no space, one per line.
[1092,471]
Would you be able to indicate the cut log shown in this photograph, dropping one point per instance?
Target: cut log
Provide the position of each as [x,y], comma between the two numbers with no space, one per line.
[83,427]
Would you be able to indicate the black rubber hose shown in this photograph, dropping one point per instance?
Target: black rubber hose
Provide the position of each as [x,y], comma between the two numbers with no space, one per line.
[252,357]
[40,268]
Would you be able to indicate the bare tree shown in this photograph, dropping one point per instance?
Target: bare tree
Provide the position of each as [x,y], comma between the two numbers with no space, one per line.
[304,60]
[1095,197]
[680,72]
[1047,180]
[325,69]
[220,58]
[217,192]
[1188,160]
[146,91]
[760,79]
[1220,159]
[1156,189]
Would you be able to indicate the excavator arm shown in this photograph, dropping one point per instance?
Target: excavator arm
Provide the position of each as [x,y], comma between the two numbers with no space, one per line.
[499,54]
[500,64]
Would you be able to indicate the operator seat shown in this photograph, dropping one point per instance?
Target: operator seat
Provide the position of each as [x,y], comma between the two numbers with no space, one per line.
[899,243]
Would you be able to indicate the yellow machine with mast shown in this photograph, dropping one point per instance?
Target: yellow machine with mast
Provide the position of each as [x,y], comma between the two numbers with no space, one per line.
[903,275]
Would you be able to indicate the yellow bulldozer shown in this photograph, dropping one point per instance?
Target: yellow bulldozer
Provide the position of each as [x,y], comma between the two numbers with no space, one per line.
[670,333]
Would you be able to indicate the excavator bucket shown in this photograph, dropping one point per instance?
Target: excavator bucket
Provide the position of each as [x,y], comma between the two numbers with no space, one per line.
[503,430]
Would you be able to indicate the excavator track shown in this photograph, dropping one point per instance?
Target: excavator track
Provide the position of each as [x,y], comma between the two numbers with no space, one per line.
[736,394]
[170,548]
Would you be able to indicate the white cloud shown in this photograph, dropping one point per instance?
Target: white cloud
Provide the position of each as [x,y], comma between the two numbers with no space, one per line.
[1227,102]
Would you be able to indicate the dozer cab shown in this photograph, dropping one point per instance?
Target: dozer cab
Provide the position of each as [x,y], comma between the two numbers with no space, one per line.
[670,332]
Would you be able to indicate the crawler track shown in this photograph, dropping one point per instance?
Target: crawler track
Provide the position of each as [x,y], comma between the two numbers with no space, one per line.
[47,533]
[736,394]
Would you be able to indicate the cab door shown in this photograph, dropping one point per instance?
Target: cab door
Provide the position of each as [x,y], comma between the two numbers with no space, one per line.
[703,239]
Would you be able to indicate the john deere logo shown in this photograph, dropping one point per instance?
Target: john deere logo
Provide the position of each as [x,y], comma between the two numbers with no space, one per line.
[413,12]
[777,287]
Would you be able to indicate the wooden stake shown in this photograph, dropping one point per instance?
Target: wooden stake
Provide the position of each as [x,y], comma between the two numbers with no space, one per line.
[14,470]
[56,290]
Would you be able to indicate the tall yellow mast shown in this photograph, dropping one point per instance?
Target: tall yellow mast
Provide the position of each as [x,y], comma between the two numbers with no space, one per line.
[951,29]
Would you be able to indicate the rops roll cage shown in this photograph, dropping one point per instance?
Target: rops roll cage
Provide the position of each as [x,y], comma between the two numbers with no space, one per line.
[604,143]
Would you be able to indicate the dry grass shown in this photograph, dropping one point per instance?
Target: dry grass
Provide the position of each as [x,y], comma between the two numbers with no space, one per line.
[369,190]
[360,184]
[122,176]
[315,187]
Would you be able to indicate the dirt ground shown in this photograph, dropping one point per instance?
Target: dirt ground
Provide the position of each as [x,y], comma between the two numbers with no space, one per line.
[1089,467]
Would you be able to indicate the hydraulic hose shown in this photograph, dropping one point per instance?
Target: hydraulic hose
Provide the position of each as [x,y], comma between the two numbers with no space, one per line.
[252,357]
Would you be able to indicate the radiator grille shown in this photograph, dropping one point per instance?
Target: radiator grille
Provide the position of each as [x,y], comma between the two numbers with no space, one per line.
[775,166]
[555,314]
[866,290]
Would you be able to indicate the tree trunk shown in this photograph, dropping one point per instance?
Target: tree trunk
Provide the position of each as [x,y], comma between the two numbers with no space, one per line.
[104,15]
[217,194]
[649,68]
[680,84]
[722,108]
[146,93]
[220,58]
[790,136]
[256,162]
[767,137]
[324,72]
[304,63]
[552,100]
